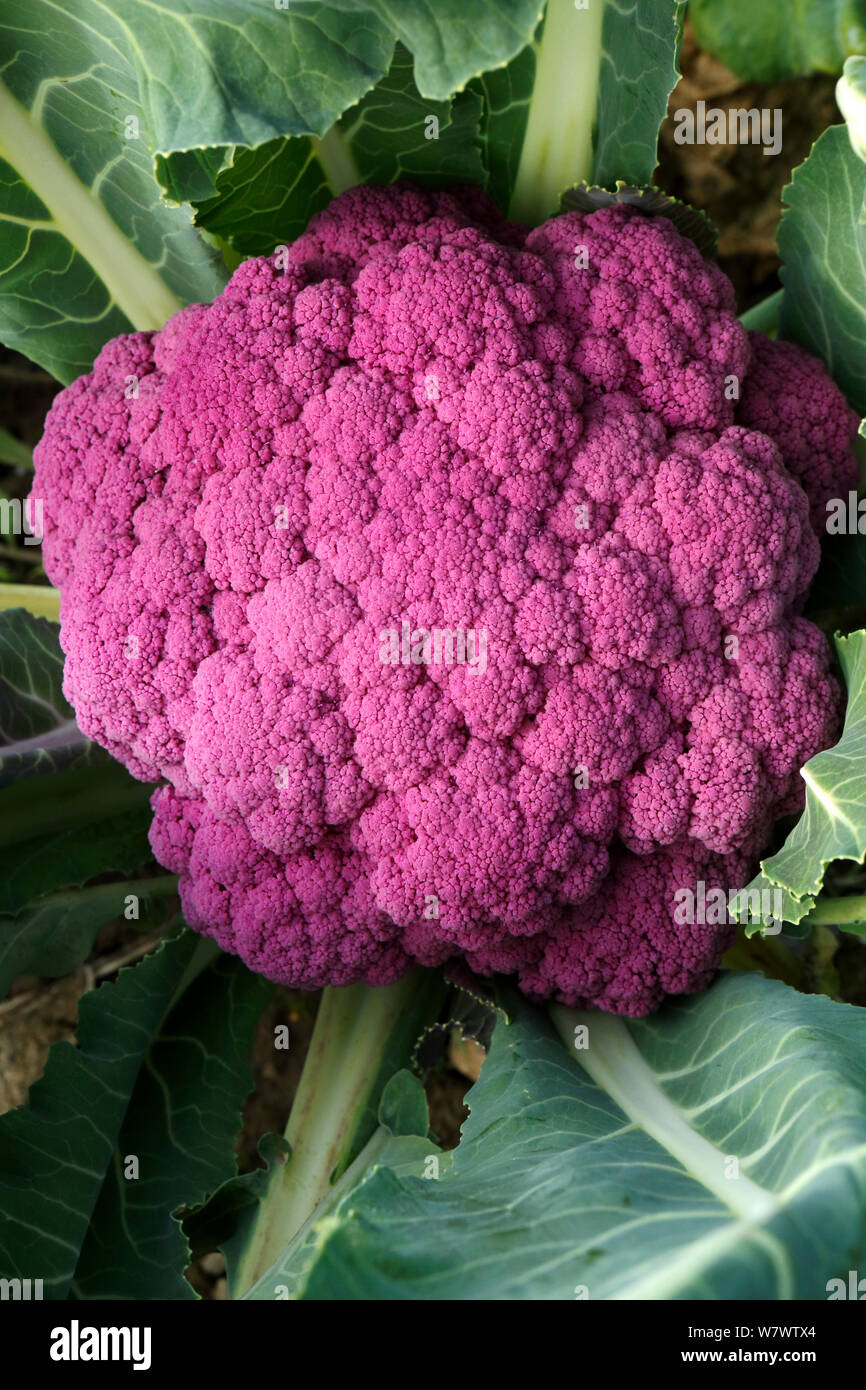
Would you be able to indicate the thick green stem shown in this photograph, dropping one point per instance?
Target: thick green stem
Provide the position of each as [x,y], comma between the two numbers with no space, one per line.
[355,1031]
[335,157]
[264,1286]
[39,599]
[557,147]
[77,214]
[770,955]
[839,912]
[764,316]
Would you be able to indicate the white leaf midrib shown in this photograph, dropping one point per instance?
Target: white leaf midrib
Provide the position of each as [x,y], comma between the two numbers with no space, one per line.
[616,1064]
[81,218]
[834,811]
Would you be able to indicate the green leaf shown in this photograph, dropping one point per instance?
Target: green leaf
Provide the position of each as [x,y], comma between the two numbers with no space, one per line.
[822,243]
[112,842]
[851,100]
[764,903]
[67,810]
[14,452]
[251,163]
[454,40]
[639,70]
[248,166]
[390,132]
[55,1154]
[191,175]
[231,73]
[403,1106]
[180,1124]
[38,732]
[841,579]
[505,95]
[89,816]
[267,195]
[833,824]
[88,248]
[653,202]
[53,935]
[714,1151]
[780,38]
[837,596]
[39,806]
[223,1221]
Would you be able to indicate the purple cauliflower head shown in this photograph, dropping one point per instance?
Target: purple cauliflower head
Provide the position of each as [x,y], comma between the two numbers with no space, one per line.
[446,576]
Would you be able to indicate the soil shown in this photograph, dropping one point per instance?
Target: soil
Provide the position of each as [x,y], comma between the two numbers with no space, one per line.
[738,186]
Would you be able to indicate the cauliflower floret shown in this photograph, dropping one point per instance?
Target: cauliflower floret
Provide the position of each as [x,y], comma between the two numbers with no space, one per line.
[451,594]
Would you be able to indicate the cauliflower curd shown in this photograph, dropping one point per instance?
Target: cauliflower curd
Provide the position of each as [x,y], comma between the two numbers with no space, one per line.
[420,418]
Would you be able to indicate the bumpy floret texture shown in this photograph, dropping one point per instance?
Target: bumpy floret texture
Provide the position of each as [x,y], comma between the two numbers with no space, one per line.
[555,452]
